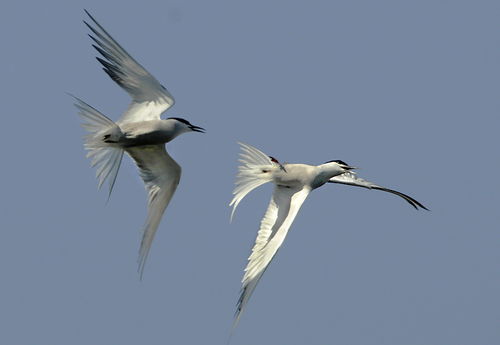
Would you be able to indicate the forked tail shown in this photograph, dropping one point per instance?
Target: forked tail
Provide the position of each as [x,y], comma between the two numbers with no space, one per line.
[103,154]
[256,169]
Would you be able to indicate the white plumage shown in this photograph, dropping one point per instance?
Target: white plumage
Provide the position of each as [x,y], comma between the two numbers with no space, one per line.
[140,132]
[293,183]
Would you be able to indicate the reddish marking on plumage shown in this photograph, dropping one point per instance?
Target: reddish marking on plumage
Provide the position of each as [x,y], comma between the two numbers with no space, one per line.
[274,160]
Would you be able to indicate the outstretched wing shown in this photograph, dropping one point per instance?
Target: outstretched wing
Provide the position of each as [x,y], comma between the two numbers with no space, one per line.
[351,179]
[284,205]
[161,175]
[149,98]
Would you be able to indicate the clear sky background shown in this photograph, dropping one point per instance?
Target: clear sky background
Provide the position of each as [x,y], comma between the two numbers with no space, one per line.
[409,91]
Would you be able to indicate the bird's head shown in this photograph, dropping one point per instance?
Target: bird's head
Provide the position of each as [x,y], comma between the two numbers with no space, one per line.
[339,163]
[330,169]
[334,168]
[183,125]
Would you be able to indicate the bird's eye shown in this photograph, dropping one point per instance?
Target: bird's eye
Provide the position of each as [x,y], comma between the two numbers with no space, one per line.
[265,170]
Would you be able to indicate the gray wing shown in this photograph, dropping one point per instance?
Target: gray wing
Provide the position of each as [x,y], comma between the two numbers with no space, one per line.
[350,178]
[284,205]
[149,98]
[161,175]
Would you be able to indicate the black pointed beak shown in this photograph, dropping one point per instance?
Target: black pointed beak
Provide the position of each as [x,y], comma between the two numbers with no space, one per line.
[197,129]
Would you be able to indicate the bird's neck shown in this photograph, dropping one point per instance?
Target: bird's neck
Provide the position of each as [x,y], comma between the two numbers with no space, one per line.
[325,173]
[330,170]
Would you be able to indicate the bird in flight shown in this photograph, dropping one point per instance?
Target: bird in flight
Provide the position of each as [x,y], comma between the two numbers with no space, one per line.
[140,132]
[292,185]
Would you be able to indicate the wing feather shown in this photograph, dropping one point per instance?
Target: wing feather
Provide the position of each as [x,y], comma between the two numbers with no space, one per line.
[161,175]
[149,98]
[280,214]
[350,178]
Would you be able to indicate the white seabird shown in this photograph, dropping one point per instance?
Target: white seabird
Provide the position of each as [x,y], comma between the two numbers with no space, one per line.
[140,132]
[293,183]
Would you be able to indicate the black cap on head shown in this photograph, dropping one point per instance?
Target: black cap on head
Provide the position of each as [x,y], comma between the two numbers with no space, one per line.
[337,161]
[187,123]
[342,163]
[180,119]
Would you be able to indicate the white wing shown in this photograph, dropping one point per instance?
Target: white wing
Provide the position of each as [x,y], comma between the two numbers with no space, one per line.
[351,179]
[161,175]
[149,98]
[284,205]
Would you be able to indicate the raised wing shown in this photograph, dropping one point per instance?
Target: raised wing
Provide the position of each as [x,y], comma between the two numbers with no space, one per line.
[161,175]
[149,98]
[284,205]
[351,179]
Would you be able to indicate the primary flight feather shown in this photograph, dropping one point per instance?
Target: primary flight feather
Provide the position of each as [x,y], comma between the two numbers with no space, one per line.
[292,185]
[139,132]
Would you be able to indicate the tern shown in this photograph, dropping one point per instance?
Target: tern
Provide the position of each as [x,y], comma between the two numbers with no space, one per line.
[292,185]
[140,132]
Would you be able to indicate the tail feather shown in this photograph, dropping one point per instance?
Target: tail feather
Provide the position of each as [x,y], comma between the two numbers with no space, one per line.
[104,156]
[255,170]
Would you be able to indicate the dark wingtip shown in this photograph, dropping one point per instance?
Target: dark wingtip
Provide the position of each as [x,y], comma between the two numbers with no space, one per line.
[415,203]
[422,206]
[88,14]
[407,198]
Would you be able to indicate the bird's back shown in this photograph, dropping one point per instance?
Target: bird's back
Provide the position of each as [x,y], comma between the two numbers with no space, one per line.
[295,175]
[152,132]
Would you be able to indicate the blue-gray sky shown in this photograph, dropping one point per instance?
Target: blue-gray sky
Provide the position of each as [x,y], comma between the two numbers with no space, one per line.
[406,90]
